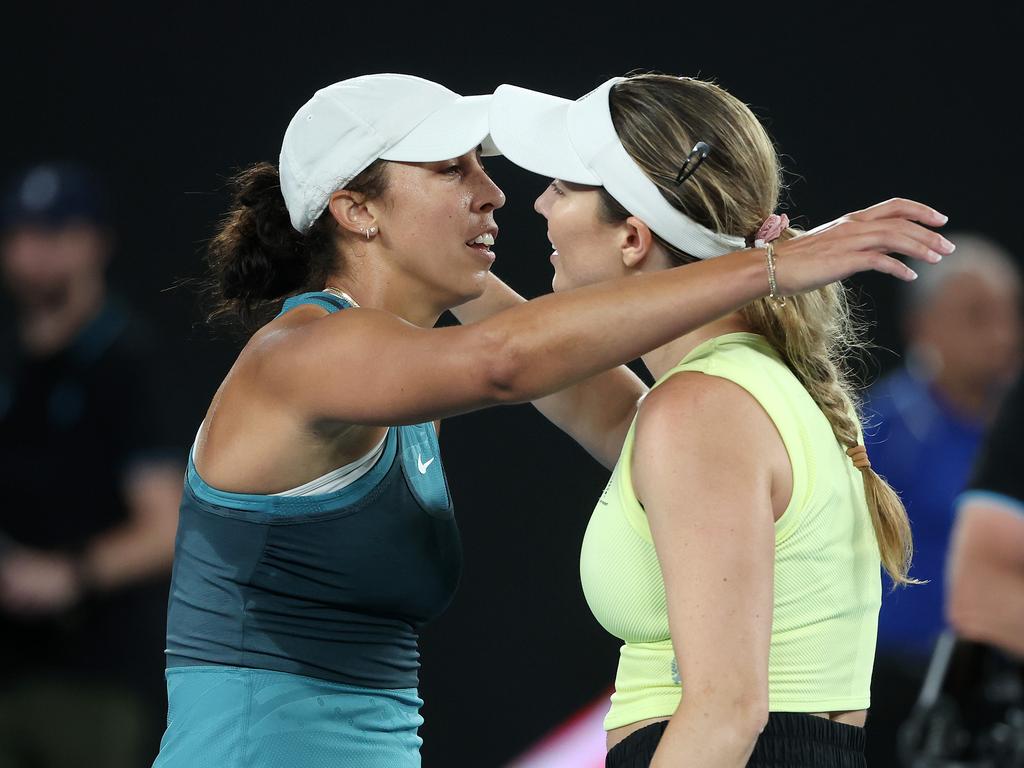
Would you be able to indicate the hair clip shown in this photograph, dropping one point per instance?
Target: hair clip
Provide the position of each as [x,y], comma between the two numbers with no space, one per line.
[697,155]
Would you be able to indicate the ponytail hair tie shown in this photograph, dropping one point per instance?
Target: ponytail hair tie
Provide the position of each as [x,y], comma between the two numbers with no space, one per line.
[859,454]
[770,230]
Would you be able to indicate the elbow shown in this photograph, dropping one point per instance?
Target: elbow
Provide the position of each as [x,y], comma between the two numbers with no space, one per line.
[752,717]
[744,720]
[738,721]
[504,368]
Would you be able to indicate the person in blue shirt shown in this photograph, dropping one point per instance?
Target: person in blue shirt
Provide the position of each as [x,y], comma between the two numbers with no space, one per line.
[926,422]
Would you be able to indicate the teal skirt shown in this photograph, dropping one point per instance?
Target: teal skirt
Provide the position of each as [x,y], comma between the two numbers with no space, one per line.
[230,717]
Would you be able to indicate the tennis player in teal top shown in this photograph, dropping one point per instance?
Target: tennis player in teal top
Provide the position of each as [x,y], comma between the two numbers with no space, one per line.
[316,533]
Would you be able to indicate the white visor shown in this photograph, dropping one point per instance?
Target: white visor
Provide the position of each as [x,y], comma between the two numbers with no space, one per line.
[576,141]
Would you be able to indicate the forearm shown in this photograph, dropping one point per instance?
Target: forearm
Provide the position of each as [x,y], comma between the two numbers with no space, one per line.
[557,340]
[986,575]
[142,546]
[714,737]
[997,615]
[497,297]
[597,411]
[125,554]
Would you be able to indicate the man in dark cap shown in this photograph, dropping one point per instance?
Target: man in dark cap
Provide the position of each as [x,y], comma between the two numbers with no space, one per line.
[89,490]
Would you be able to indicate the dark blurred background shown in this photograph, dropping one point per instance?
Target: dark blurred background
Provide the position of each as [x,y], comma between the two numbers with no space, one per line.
[165,100]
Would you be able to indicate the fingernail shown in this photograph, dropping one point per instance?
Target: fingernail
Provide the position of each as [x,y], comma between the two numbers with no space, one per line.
[934,257]
[942,216]
[913,275]
[948,246]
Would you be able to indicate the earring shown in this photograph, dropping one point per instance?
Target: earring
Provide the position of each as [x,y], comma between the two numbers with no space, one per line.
[371,231]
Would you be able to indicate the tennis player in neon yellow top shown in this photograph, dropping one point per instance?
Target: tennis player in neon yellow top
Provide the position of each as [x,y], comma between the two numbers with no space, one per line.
[736,550]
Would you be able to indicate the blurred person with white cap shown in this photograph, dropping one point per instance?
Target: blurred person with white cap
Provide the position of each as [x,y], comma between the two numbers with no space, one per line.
[90,488]
[736,549]
[316,532]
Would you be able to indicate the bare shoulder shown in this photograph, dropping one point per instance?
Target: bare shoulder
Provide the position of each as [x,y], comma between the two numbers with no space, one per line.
[309,338]
[693,408]
[698,433]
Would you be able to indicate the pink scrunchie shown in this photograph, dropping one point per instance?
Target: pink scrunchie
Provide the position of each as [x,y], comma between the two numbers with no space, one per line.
[772,228]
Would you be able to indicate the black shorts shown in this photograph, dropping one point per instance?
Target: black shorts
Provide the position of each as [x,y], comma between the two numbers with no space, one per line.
[788,741]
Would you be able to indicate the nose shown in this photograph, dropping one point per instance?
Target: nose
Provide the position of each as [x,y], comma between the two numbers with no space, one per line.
[543,202]
[490,197]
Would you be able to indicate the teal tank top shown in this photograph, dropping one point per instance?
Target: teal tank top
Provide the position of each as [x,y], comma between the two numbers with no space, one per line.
[333,586]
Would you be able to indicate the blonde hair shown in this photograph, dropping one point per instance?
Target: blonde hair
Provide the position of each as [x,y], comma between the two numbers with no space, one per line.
[658,119]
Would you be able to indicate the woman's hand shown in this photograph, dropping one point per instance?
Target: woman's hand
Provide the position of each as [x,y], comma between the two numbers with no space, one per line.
[859,242]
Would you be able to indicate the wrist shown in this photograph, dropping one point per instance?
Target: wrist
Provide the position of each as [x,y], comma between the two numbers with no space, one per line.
[750,267]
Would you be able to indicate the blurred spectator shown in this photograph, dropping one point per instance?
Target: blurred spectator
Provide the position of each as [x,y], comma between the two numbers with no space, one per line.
[985,575]
[89,494]
[963,329]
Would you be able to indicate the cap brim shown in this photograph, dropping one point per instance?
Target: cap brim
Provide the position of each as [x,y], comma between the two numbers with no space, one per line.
[449,132]
[530,129]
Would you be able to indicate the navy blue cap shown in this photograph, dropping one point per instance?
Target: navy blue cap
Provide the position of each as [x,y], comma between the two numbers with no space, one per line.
[53,196]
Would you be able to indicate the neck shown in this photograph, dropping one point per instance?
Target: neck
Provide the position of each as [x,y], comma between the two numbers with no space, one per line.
[378,289]
[47,328]
[663,359]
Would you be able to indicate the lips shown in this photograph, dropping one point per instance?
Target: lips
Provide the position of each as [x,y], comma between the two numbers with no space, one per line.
[486,239]
[483,243]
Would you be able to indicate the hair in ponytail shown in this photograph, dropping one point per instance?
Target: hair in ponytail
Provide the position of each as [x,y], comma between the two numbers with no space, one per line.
[659,119]
[257,257]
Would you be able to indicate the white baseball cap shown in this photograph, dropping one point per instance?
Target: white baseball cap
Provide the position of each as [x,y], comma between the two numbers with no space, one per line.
[576,141]
[339,132]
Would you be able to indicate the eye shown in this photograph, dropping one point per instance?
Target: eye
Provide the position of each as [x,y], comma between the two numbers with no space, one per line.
[556,189]
[453,169]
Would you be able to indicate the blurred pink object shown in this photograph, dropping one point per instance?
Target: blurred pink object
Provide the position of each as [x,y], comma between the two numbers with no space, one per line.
[579,742]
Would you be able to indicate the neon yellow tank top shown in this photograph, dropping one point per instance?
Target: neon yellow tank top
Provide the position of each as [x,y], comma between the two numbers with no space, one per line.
[827,565]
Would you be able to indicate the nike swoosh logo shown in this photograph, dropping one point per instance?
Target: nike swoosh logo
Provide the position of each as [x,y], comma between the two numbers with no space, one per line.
[421,465]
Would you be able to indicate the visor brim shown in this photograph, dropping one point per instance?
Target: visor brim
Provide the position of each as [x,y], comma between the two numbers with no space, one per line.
[531,129]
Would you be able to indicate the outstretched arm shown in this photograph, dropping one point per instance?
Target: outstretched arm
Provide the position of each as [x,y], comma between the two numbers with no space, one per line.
[596,412]
[384,371]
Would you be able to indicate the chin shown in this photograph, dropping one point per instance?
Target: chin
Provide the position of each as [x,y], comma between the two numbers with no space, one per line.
[469,292]
[561,283]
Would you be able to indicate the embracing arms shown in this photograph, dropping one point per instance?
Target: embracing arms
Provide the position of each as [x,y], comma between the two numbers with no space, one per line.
[596,412]
[382,370]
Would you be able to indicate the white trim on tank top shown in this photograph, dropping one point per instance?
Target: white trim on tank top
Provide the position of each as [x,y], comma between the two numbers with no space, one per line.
[336,479]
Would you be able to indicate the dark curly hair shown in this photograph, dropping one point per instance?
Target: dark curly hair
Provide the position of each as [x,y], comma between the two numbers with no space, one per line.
[257,257]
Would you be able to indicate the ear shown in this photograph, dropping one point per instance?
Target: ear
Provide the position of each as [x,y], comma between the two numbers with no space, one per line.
[349,210]
[637,243]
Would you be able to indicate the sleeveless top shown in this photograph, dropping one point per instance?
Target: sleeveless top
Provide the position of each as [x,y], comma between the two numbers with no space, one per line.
[334,586]
[827,584]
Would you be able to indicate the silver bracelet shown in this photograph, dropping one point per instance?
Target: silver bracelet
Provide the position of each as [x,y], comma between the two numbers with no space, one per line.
[777,301]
